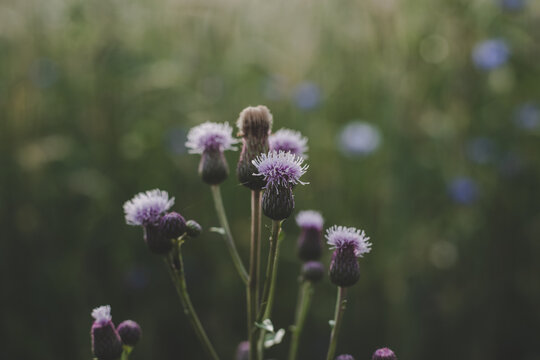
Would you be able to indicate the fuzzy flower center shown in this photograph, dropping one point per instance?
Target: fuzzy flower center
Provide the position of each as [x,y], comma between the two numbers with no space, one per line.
[288,140]
[280,168]
[146,208]
[341,237]
[310,219]
[102,314]
[210,136]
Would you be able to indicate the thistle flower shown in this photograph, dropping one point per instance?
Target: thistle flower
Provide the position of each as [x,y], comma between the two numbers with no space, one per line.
[345,357]
[172,225]
[384,354]
[313,271]
[146,208]
[288,140]
[106,343]
[280,172]
[310,240]
[254,125]
[349,244]
[130,332]
[211,140]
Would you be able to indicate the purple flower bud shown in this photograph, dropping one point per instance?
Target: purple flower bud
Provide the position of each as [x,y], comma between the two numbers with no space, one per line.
[313,271]
[349,244]
[384,354]
[254,124]
[211,140]
[146,208]
[156,241]
[242,351]
[310,240]
[106,343]
[345,357]
[193,228]
[172,225]
[130,332]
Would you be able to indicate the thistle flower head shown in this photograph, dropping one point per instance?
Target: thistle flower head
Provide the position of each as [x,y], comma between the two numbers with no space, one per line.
[280,169]
[384,354]
[146,208]
[313,271]
[345,357]
[130,332]
[288,140]
[310,219]
[341,237]
[102,314]
[210,136]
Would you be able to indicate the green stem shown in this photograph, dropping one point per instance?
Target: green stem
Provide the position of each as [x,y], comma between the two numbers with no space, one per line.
[176,270]
[304,299]
[267,302]
[222,216]
[341,304]
[254,260]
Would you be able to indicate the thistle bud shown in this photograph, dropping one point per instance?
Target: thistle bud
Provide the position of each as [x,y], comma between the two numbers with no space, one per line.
[106,343]
[384,354]
[254,124]
[193,228]
[156,241]
[130,332]
[345,357]
[213,167]
[242,351]
[349,244]
[278,202]
[313,271]
[310,240]
[172,225]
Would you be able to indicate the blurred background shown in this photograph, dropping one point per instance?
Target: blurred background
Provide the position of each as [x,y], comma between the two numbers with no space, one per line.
[423,126]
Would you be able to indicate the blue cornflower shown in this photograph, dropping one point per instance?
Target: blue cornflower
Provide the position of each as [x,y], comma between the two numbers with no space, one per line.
[490,54]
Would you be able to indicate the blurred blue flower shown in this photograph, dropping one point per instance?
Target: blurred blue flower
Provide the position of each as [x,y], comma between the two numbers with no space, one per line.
[307,96]
[490,54]
[359,138]
[175,140]
[511,5]
[527,116]
[463,190]
[481,150]
[43,73]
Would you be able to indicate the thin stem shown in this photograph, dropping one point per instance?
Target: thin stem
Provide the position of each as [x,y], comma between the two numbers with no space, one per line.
[304,300]
[222,216]
[341,304]
[176,270]
[254,259]
[267,302]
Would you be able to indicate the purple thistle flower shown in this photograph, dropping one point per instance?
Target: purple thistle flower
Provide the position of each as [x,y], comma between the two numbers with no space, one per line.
[210,136]
[345,357]
[146,208]
[172,225]
[384,354]
[349,244]
[490,54]
[242,351]
[106,342]
[340,237]
[280,169]
[130,332]
[310,219]
[310,240]
[289,141]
